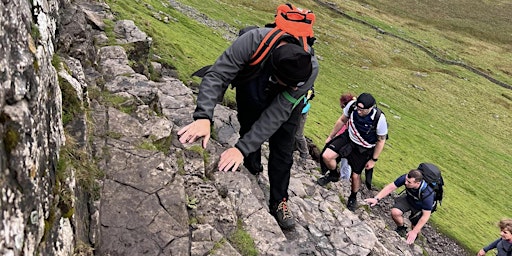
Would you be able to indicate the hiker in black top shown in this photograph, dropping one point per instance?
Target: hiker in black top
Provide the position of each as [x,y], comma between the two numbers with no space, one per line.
[418,199]
[265,110]
[502,244]
[361,144]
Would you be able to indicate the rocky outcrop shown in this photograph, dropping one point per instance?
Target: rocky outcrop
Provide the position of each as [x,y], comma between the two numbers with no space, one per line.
[32,133]
[140,191]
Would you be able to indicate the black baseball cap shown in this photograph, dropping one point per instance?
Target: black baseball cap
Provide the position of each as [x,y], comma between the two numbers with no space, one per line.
[291,64]
[366,99]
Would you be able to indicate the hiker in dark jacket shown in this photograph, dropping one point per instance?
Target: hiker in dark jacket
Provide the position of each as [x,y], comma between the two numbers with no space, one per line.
[503,244]
[361,144]
[419,199]
[265,110]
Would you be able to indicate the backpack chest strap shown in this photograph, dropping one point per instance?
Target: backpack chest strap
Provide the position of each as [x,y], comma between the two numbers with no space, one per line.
[292,100]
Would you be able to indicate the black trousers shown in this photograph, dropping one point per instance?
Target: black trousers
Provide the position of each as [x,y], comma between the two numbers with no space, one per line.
[281,145]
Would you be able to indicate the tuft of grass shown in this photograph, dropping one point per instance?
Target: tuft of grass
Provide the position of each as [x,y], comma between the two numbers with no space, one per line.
[83,249]
[163,145]
[242,241]
[87,172]
[197,149]
[109,32]
[192,202]
[147,145]
[11,139]
[217,246]
[125,105]
[71,104]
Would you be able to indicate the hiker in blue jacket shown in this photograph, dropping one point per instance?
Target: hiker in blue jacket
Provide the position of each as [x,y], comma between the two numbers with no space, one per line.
[266,110]
[503,244]
[418,199]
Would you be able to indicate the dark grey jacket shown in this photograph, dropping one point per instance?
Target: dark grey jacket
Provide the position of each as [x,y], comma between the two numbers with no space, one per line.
[225,69]
[503,246]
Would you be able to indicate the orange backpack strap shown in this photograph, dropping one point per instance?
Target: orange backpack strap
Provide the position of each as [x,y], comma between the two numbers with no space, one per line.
[266,45]
[304,42]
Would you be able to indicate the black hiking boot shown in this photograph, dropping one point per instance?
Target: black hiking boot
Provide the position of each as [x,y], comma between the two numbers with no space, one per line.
[352,204]
[333,176]
[401,230]
[283,215]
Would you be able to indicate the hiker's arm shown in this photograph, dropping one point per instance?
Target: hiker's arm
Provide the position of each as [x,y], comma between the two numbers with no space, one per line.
[213,86]
[337,127]
[211,91]
[223,71]
[382,131]
[411,236]
[341,121]
[489,247]
[379,146]
[383,193]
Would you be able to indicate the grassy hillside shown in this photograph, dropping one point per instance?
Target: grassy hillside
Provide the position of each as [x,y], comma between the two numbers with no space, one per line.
[437,113]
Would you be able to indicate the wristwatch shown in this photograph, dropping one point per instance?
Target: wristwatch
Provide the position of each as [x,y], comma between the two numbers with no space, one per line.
[375,159]
[376,198]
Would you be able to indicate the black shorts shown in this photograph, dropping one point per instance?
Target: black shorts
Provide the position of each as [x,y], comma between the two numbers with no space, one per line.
[356,155]
[403,205]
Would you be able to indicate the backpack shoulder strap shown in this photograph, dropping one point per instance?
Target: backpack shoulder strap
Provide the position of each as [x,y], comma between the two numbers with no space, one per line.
[292,100]
[352,109]
[423,186]
[377,117]
[266,45]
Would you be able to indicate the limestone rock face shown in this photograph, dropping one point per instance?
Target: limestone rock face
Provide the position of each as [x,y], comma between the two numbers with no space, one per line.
[32,131]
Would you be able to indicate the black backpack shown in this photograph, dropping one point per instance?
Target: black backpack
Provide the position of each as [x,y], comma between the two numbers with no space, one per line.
[432,176]
[373,128]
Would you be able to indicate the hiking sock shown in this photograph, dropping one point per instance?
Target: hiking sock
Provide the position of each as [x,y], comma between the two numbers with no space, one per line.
[352,195]
[334,174]
[323,167]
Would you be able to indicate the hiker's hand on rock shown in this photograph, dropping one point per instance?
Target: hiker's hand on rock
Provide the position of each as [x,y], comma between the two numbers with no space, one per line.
[230,159]
[195,130]
[411,236]
[371,201]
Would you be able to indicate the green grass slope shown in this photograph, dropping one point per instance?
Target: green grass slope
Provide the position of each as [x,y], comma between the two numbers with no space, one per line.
[437,113]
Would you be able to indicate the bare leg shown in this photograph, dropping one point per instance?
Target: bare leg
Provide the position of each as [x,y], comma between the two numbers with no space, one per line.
[329,158]
[356,182]
[398,216]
